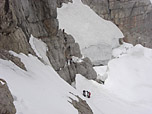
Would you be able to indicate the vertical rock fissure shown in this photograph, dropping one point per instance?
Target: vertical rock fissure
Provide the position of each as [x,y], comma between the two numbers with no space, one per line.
[109,10]
[6,7]
[132,9]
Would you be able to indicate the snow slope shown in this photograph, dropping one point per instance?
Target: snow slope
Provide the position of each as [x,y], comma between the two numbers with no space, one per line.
[93,33]
[39,90]
[133,71]
[128,89]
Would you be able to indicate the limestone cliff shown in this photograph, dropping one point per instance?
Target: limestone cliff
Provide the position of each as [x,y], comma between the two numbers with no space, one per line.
[20,19]
[133,17]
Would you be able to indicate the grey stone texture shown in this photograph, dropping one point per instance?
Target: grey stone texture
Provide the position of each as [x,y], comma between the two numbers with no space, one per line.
[6,99]
[4,54]
[59,2]
[81,105]
[11,36]
[20,19]
[133,17]
[60,50]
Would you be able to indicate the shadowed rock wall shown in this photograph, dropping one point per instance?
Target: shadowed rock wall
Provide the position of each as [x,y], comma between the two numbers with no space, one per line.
[133,17]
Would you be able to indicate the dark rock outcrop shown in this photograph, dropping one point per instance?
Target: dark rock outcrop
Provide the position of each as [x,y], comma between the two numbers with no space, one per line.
[6,99]
[133,17]
[60,50]
[59,2]
[12,37]
[4,54]
[81,106]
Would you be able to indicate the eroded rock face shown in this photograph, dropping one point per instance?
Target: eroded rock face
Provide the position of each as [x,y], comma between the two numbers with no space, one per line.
[11,36]
[60,50]
[133,17]
[6,99]
[59,2]
[36,17]
[20,19]
[81,106]
[4,54]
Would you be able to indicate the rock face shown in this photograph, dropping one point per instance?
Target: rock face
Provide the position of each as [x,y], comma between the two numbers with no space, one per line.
[6,99]
[12,37]
[133,17]
[20,19]
[4,54]
[81,106]
[61,48]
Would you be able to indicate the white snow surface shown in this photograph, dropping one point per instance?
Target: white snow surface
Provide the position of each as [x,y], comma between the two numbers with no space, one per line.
[2,82]
[39,48]
[95,35]
[40,90]
[128,88]
[130,76]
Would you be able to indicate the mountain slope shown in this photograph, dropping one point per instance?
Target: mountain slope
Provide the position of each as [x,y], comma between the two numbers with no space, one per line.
[39,90]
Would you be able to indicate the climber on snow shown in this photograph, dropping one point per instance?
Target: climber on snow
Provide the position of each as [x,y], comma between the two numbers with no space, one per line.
[86,94]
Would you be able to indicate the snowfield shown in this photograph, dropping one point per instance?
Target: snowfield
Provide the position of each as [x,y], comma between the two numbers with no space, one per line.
[128,88]
[93,33]
[40,90]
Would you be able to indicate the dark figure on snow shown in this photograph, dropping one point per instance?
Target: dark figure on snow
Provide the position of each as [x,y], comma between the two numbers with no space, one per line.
[88,94]
[63,31]
[84,93]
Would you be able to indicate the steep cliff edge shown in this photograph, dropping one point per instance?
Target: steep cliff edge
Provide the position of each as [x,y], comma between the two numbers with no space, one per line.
[20,19]
[133,17]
